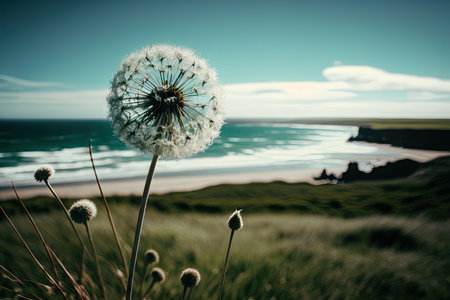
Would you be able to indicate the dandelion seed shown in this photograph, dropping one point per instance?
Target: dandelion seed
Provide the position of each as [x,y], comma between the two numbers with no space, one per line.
[154,106]
[83,211]
[190,277]
[154,101]
[44,173]
[151,256]
[158,275]
[235,221]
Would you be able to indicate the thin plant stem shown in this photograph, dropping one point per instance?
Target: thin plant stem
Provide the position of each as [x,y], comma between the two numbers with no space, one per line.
[97,265]
[78,288]
[189,293]
[222,280]
[147,292]
[44,244]
[139,224]
[147,268]
[16,279]
[18,296]
[184,292]
[47,275]
[108,211]
[92,286]
[66,212]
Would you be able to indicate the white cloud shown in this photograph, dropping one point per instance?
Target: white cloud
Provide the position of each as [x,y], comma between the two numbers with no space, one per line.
[344,94]
[54,104]
[13,83]
[288,91]
[366,78]
[338,108]
[424,95]
[341,96]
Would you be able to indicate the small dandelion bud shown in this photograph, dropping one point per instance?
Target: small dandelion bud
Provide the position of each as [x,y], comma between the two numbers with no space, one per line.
[158,275]
[151,256]
[83,211]
[43,173]
[235,221]
[190,277]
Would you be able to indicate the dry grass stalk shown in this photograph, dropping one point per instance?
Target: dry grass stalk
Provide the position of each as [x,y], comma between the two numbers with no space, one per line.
[108,211]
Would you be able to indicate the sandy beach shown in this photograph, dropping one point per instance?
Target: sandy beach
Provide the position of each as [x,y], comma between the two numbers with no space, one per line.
[165,184]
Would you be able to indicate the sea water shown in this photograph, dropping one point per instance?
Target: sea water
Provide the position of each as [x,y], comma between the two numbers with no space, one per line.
[25,145]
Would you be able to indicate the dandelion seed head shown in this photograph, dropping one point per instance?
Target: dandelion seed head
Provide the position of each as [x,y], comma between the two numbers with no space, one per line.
[83,211]
[158,274]
[190,277]
[167,101]
[151,256]
[43,173]
[235,221]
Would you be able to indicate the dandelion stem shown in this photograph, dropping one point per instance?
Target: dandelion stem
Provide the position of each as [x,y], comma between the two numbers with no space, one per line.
[139,224]
[146,269]
[147,292]
[44,244]
[83,247]
[116,236]
[97,266]
[222,280]
[189,293]
[184,292]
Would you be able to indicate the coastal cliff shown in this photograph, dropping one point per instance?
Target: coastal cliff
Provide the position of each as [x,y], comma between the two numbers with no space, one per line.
[427,139]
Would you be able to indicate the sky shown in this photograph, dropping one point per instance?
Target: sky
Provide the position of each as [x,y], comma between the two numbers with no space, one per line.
[276,59]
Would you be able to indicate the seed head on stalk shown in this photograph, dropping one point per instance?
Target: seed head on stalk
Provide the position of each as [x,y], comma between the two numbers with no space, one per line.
[167,101]
[83,211]
[164,100]
[43,173]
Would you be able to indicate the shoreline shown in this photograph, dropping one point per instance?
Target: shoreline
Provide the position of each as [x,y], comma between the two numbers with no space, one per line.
[166,184]
[179,183]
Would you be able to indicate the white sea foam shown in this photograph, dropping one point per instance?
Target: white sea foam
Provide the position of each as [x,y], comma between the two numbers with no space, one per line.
[284,147]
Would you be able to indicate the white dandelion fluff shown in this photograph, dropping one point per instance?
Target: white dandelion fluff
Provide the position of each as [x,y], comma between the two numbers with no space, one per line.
[166,100]
[235,221]
[83,211]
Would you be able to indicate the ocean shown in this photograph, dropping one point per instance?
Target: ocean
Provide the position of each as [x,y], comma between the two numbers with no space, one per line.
[26,145]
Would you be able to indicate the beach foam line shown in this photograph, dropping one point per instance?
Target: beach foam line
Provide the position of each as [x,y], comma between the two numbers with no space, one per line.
[189,182]
[165,184]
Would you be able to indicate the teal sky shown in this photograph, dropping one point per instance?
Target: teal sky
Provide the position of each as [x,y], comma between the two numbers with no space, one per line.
[76,46]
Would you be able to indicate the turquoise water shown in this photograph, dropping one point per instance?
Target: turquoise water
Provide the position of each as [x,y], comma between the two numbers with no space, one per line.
[63,144]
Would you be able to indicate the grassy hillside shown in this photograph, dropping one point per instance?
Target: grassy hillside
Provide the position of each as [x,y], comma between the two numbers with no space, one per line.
[286,249]
[275,256]
[425,193]
[383,239]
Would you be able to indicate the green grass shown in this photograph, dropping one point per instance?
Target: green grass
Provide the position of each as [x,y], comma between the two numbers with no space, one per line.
[426,193]
[274,256]
[363,240]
